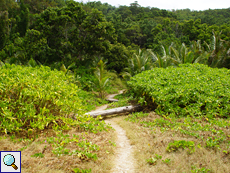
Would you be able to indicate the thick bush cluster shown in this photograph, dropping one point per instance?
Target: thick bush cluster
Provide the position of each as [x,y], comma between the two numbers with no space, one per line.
[37,98]
[190,89]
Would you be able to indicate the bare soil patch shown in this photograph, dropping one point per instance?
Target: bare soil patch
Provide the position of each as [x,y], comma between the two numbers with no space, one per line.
[124,160]
[152,142]
[51,163]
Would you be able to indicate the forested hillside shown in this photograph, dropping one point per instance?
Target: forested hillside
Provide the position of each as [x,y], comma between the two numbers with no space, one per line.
[62,32]
[60,59]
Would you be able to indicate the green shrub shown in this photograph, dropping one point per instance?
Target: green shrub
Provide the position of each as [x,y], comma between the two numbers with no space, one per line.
[153,160]
[190,89]
[174,146]
[33,99]
[200,170]
[85,77]
[38,155]
[78,170]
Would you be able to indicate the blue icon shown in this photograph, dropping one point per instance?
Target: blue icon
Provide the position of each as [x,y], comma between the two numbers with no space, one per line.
[9,160]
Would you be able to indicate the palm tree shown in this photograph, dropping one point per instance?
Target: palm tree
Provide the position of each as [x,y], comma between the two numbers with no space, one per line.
[161,61]
[174,55]
[139,62]
[184,55]
[33,63]
[200,55]
[102,80]
[218,50]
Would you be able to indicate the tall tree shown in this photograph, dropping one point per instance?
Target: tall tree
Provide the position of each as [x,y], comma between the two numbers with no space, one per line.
[23,19]
[71,31]
[4,29]
[6,5]
[41,5]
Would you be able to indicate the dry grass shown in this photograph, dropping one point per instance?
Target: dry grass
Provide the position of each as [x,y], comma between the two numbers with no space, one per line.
[63,164]
[148,142]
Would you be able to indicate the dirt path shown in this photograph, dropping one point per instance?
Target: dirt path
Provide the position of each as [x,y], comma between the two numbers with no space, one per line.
[124,160]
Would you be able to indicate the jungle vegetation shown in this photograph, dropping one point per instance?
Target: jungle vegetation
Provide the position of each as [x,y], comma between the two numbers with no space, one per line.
[60,58]
[60,32]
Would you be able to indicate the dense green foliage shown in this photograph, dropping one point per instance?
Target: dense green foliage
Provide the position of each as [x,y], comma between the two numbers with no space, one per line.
[102,80]
[148,27]
[74,38]
[211,17]
[67,31]
[139,62]
[189,90]
[38,98]
[60,34]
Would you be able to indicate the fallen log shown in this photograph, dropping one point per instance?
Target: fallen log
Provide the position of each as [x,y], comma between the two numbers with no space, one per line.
[115,111]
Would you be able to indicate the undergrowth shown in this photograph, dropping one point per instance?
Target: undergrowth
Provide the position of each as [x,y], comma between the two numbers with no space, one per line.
[37,100]
[191,105]
[124,99]
[33,99]
[189,90]
[193,135]
[211,132]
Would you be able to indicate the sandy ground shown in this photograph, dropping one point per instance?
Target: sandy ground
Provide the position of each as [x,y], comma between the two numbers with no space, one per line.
[124,160]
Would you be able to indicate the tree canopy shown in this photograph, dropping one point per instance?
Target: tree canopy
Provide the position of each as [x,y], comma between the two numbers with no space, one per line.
[65,31]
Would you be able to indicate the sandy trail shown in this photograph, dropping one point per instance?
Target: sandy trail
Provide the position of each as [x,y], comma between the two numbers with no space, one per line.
[124,160]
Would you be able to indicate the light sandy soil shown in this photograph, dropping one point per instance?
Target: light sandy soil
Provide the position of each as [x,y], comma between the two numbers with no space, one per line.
[124,160]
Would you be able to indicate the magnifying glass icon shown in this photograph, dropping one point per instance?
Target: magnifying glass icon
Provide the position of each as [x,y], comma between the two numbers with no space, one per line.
[9,160]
